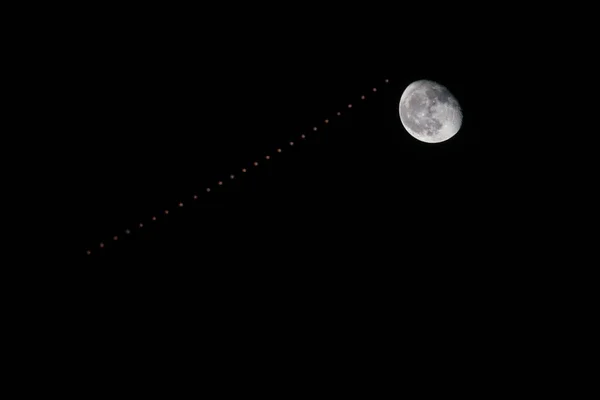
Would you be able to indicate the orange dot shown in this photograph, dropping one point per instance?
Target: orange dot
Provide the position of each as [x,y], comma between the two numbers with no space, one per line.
[115,238]
[326,121]
[180,204]
[88,252]
[374,89]
[268,157]
[279,150]
[362,97]
[349,105]
[101,245]
[244,170]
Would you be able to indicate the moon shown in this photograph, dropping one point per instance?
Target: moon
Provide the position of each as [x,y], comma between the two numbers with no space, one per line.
[429,112]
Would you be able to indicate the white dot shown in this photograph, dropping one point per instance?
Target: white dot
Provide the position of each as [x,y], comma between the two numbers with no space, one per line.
[208,189]
[127,231]
[167,212]
[220,183]
[326,121]
[255,163]
[115,238]
[279,150]
[231,176]
[180,204]
[153,218]
[88,252]
[315,129]
[141,225]
[101,245]
[374,89]
[291,143]
[349,105]
[268,157]
[303,136]
[387,81]
[195,197]
[339,113]
[244,170]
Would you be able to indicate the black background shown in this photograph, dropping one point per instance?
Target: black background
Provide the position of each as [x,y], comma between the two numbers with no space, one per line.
[359,222]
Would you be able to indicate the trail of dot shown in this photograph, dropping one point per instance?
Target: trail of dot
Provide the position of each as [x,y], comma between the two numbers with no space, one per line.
[244,170]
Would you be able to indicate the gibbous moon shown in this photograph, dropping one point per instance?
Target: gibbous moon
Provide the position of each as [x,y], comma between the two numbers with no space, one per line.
[429,112]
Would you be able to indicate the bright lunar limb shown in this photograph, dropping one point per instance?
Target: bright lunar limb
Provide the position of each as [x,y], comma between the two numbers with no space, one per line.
[429,112]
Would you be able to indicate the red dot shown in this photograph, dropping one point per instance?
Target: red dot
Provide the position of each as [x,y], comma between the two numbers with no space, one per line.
[88,252]
[167,212]
[244,170]
[374,89]
[362,97]
[349,105]
[153,218]
[195,197]
[180,204]
[279,150]
[268,157]
[326,121]
[101,245]
[115,238]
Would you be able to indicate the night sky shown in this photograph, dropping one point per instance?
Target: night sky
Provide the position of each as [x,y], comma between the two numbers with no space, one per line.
[358,245]
[356,238]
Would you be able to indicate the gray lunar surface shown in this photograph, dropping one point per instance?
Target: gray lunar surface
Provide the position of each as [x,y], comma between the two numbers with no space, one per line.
[429,112]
